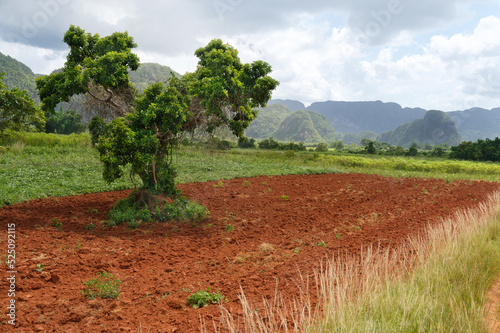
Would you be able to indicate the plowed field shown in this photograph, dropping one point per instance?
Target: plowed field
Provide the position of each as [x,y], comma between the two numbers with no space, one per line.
[260,232]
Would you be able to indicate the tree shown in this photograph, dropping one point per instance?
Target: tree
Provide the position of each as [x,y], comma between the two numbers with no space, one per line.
[222,91]
[18,111]
[96,67]
[370,147]
[65,122]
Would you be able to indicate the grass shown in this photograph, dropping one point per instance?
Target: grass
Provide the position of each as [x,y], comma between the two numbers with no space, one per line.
[39,165]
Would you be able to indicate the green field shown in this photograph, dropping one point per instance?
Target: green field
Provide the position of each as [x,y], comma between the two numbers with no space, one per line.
[45,165]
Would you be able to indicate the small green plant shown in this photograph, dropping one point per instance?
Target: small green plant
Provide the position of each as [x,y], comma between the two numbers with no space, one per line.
[90,226]
[285,197]
[338,236]
[246,183]
[39,267]
[106,285]
[321,244]
[93,211]
[56,224]
[229,228]
[219,184]
[203,298]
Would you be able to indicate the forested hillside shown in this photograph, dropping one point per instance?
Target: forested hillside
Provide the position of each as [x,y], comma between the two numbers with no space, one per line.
[356,117]
[18,75]
[268,121]
[435,128]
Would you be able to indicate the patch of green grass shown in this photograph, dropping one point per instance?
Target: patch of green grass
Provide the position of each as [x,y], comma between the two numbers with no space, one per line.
[106,285]
[203,298]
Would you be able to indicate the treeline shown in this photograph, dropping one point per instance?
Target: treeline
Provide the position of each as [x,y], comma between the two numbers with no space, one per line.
[481,150]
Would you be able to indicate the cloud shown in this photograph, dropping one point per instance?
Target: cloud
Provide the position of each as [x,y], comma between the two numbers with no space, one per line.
[319,50]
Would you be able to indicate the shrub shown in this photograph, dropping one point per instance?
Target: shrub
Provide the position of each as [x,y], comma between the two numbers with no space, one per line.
[323,147]
[203,298]
[106,285]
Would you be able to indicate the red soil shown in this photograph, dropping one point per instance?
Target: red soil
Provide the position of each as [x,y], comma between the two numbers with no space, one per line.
[161,264]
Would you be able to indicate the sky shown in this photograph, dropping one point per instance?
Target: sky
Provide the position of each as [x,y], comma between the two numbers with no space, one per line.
[434,54]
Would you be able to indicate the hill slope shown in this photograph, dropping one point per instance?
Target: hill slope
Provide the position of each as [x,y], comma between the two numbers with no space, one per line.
[477,123]
[435,128]
[292,105]
[305,126]
[268,121]
[18,75]
[355,117]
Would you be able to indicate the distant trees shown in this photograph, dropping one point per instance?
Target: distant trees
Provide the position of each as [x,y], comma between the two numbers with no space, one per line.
[270,143]
[18,110]
[64,122]
[481,150]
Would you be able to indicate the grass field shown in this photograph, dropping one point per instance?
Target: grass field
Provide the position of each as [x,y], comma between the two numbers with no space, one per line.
[41,165]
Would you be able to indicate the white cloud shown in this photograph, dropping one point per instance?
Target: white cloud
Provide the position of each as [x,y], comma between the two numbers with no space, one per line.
[394,50]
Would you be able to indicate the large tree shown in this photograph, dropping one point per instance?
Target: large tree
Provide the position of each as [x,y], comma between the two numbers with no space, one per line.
[18,111]
[96,68]
[222,91]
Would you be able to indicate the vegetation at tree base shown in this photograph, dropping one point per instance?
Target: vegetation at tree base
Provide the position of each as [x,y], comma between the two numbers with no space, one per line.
[65,122]
[18,110]
[436,128]
[482,150]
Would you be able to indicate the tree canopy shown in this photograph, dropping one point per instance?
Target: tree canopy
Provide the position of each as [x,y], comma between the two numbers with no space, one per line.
[222,91]
[18,110]
[97,67]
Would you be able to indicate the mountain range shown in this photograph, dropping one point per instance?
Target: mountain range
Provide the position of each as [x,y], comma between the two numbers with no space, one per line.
[291,120]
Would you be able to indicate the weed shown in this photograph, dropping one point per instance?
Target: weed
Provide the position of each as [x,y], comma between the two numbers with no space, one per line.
[338,236]
[106,285]
[285,197]
[78,246]
[56,224]
[246,183]
[39,267]
[219,184]
[90,226]
[229,228]
[320,244]
[203,298]
[93,211]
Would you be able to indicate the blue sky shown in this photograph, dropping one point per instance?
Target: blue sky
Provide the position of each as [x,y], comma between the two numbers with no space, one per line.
[435,54]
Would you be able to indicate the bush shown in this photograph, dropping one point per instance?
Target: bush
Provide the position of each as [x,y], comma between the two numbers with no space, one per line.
[104,286]
[245,142]
[203,298]
[142,206]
